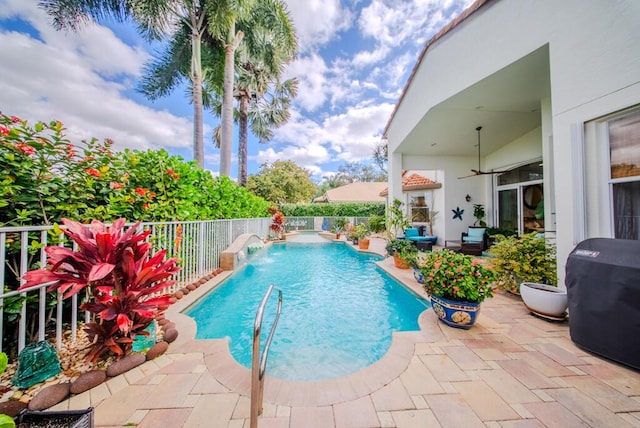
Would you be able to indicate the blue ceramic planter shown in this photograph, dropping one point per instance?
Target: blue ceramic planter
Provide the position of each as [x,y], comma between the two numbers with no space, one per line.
[455,314]
[418,275]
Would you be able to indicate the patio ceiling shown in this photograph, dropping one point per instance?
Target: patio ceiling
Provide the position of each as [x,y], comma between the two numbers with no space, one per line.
[506,104]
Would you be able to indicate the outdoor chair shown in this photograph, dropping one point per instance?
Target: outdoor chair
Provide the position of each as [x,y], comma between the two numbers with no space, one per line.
[474,241]
[424,243]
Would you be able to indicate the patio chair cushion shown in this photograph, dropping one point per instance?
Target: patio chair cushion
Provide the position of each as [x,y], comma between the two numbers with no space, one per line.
[475,234]
[411,232]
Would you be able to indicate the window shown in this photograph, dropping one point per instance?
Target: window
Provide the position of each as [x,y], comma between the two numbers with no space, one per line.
[624,155]
[419,206]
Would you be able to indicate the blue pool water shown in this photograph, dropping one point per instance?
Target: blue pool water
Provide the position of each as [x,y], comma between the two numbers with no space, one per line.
[338,311]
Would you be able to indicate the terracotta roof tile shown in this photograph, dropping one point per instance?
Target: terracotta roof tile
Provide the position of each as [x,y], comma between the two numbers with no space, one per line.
[414,182]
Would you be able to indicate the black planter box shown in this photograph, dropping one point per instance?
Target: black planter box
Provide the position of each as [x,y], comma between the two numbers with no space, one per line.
[54,419]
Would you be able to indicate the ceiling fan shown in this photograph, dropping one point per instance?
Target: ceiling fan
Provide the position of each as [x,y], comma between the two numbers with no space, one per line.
[478,171]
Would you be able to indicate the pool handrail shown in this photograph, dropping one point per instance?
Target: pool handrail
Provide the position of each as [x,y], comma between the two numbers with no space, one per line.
[259,362]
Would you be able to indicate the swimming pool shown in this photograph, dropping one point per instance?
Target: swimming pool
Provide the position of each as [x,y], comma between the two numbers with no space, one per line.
[339,310]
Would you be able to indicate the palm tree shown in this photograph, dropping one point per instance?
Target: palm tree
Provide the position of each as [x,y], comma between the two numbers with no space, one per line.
[156,19]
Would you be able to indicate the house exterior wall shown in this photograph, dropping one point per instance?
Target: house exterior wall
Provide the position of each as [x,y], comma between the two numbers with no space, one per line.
[594,59]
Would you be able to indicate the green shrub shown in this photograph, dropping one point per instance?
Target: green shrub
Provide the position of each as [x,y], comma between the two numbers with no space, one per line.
[342,209]
[529,258]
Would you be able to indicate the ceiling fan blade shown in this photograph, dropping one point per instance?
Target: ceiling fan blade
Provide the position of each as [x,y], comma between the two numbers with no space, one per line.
[470,175]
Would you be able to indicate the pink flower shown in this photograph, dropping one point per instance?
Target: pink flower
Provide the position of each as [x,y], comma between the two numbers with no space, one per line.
[116,186]
[141,191]
[26,149]
[108,141]
[15,119]
[146,206]
[92,171]
[4,130]
[172,174]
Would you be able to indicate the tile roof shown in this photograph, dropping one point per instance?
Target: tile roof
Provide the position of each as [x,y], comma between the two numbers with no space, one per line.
[355,192]
[415,182]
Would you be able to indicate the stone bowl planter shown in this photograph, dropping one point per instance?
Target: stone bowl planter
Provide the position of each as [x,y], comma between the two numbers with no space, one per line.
[544,300]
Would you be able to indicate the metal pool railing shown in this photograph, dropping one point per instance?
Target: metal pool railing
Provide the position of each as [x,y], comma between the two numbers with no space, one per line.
[259,361]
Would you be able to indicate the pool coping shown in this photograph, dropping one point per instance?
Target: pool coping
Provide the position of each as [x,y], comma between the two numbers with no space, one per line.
[237,378]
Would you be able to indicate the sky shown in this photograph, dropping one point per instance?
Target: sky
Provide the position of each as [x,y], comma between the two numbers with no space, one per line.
[354,58]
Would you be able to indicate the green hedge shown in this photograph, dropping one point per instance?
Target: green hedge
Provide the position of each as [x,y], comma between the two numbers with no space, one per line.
[342,209]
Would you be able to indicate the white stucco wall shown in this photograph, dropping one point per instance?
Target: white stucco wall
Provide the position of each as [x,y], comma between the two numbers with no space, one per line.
[594,57]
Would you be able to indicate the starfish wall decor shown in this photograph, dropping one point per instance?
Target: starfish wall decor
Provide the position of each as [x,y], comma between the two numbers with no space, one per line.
[457,213]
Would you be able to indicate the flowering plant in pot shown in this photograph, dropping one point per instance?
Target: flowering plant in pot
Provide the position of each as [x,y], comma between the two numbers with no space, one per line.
[120,277]
[398,249]
[457,284]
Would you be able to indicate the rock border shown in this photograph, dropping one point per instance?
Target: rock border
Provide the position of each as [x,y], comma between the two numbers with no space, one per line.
[56,393]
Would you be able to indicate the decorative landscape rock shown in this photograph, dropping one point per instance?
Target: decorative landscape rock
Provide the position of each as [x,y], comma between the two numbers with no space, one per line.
[88,380]
[124,365]
[168,326]
[170,335]
[178,294]
[192,287]
[185,291]
[157,350]
[50,396]
[12,407]
[163,321]
[36,362]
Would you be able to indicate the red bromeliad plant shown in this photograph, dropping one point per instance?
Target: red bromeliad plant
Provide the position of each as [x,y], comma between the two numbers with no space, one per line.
[120,277]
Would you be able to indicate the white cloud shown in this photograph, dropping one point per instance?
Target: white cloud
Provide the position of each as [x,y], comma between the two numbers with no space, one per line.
[318,21]
[312,90]
[81,79]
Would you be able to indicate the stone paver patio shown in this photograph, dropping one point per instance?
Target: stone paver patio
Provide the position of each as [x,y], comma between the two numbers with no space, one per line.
[510,370]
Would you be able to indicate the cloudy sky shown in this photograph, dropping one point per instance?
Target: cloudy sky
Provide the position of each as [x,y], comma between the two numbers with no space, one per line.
[353,60]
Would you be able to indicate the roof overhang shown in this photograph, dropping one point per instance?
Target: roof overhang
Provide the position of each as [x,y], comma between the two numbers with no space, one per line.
[506,104]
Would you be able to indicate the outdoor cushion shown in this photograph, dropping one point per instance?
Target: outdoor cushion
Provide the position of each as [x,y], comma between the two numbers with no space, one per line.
[419,238]
[410,232]
[475,234]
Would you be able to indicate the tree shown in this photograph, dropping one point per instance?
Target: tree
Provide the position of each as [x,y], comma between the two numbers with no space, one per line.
[282,182]
[156,19]
[269,43]
[358,171]
[381,156]
[227,13]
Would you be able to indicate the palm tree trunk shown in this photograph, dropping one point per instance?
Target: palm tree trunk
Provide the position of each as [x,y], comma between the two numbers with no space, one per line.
[226,128]
[196,77]
[243,124]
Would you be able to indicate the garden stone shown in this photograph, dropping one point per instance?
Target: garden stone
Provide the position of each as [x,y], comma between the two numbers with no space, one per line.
[170,335]
[191,287]
[124,365]
[185,291]
[50,396]
[163,321]
[178,294]
[169,326]
[88,380]
[157,350]
[36,363]
[12,407]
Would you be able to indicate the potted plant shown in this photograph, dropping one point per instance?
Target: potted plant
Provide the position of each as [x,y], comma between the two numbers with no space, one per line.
[360,234]
[415,260]
[339,225]
[527,264]
[396,220]
[397,248]
[479,214]
[457,284]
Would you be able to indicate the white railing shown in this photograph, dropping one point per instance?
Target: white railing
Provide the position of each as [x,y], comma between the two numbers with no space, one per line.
[25,315]
[29,315]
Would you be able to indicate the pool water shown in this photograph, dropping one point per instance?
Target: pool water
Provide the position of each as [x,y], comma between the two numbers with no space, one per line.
[339,310]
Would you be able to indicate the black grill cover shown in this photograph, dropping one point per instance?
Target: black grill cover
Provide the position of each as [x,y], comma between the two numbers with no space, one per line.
[603,289]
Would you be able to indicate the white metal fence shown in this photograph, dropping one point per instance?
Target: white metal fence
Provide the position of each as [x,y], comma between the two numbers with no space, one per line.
[33,314]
